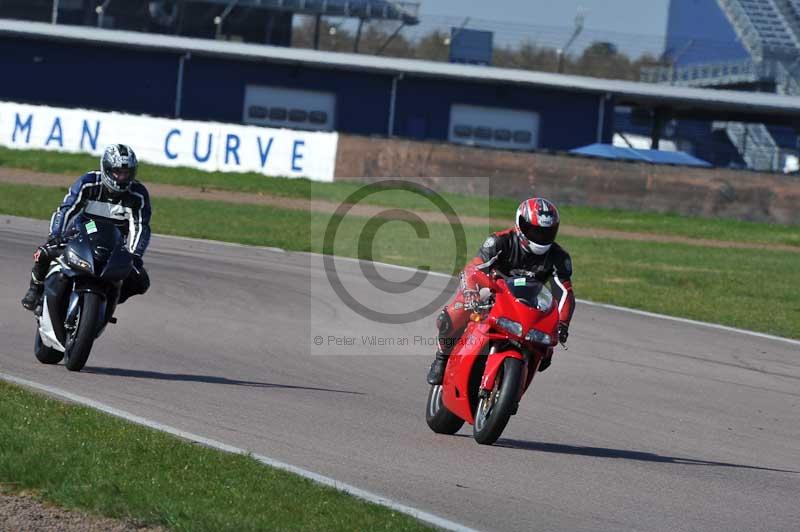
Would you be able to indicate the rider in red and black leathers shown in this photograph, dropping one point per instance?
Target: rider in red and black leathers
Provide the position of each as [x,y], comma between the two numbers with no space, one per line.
[529,246]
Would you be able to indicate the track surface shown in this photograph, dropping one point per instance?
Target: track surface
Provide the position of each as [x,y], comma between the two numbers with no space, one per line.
[644,424]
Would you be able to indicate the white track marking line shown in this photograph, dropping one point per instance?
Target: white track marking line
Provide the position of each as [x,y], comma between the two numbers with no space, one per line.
[368,496]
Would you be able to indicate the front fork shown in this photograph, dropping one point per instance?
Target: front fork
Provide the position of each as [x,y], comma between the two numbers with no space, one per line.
[107,307]
[494,362]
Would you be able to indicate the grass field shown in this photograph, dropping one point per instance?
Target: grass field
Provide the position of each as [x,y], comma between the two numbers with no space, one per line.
[498,208]
[711,284]
[80,458]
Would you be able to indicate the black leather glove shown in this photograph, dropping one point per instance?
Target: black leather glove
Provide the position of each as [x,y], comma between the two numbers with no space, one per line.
[54,240]
[563,332]
[138,263]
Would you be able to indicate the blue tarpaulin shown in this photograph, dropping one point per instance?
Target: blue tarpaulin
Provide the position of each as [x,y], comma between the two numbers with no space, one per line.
[607,151]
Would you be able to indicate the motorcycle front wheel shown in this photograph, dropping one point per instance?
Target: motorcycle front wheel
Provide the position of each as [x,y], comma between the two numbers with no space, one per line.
[494,411]
[81,338]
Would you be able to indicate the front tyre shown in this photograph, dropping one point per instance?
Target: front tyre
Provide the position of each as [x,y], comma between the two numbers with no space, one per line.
[494,411]
[44,354]
[439,418]
[81,337]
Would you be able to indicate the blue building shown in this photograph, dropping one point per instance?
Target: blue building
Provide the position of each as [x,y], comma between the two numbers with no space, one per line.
[750,45]
[198,79]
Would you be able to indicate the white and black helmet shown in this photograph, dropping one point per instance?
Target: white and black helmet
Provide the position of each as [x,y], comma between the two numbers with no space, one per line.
[118,167]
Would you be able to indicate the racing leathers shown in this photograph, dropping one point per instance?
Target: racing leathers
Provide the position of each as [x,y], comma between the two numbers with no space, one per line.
[503,252]
[129,210]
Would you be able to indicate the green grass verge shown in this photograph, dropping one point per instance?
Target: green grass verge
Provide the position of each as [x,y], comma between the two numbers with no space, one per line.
[80,458]
[498,207]
[727,286]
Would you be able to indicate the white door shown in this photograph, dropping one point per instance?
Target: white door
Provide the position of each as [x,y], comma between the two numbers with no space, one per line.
[497,127]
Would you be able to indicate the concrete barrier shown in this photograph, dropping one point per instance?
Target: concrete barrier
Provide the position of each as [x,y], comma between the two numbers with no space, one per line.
[573,180]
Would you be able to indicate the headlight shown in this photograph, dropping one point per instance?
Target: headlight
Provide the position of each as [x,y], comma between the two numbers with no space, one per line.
[510,326]
[538,337]
[75,261]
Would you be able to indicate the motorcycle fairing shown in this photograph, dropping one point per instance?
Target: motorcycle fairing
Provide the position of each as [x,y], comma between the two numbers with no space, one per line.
[51,321]
[478,357]
[46,332]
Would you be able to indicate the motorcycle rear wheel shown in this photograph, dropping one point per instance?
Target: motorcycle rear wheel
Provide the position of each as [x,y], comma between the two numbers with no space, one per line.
[439,418]
[494,411]
[80,345]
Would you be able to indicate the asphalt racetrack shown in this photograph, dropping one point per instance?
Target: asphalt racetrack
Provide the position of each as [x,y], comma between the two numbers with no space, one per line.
[644,424]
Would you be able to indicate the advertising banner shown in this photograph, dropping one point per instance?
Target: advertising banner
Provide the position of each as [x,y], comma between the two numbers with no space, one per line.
[206,146]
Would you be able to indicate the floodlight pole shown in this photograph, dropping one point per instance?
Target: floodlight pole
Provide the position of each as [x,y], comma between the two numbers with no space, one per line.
[459,29]
[101,12]
[656,126]
[317,23]
[390,39]
[579,18]
[218,21]
[54,14]
[358,35]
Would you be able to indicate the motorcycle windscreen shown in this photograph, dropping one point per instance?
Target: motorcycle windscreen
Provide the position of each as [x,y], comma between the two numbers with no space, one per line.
[112,260]
[119,265]
[530,292]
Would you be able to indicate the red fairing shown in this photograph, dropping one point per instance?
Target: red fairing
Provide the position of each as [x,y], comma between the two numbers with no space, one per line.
[460,392]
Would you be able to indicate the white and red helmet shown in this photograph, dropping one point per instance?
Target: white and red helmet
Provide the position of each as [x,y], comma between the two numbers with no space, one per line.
[537,224]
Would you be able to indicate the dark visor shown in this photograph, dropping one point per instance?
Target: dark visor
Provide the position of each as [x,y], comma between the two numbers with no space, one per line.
[121,175]
[536,234]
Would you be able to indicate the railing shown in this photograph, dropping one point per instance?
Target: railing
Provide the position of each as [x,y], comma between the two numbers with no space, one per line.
[407,11]
[744,27]
[755,144]
[790,11]
[785,81]
[726,73]
[753,141]
[705,74]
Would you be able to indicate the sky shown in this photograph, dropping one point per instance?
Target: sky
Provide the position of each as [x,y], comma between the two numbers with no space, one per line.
[635,26]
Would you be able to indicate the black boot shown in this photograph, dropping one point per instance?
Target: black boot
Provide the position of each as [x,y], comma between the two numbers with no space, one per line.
[436,373]
[33,295]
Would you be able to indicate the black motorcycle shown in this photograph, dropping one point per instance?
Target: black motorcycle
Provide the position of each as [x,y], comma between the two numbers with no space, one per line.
[81,292]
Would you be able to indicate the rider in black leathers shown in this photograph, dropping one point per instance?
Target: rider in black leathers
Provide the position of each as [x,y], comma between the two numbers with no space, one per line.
[112,193]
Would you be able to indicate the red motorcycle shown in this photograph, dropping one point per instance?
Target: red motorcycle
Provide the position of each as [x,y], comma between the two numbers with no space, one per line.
[512,329]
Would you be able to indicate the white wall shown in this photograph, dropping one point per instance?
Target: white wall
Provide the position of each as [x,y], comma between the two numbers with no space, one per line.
[206,146]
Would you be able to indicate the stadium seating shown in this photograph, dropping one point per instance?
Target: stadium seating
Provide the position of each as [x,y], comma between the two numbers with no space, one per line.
[771,27]
[769,32]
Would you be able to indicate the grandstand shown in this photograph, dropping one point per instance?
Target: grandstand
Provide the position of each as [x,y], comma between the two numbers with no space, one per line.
[257,21]
[745,45]
[762,54]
